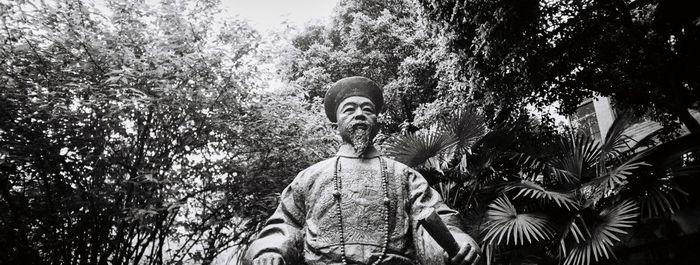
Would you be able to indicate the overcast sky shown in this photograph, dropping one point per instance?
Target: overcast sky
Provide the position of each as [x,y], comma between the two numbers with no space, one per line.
[265,15]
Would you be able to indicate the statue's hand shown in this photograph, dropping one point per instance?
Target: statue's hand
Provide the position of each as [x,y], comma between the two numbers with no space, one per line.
[269,258]
[469,253]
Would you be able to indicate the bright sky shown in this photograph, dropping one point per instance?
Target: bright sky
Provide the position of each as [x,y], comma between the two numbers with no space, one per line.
[266,15]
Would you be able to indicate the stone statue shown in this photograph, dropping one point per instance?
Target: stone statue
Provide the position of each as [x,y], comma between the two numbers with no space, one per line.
[358,207]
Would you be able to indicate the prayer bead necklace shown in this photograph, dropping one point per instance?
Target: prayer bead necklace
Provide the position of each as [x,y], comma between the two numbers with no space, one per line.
[386,201]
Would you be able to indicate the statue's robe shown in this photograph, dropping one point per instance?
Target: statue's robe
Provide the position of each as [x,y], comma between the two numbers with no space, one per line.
[305,228]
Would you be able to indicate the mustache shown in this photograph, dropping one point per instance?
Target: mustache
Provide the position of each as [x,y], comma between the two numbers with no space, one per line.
[359,124]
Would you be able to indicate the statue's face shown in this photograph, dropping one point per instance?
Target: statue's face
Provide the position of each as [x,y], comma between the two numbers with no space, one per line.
[357,122]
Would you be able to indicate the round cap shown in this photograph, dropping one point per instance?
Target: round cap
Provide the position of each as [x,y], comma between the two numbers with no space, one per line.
[348,87]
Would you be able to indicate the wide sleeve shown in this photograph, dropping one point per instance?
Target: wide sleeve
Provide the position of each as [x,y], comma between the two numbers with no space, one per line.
[422,196]
[282,232]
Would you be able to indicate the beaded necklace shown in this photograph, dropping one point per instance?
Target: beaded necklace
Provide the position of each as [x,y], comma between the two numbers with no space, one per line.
[386,201]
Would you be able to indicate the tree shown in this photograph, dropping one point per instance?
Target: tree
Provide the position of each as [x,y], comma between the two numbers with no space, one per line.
[135,133]
[640,53]
[382,40]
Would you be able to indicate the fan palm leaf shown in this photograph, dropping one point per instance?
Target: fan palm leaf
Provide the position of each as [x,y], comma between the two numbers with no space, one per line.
[661,197]
[615,141]
[578,153]
[505,223]
[420,149]
[535,191]
[659,192]
[613,222]
[468,126]
[575,226]
[618,175]
[533,167]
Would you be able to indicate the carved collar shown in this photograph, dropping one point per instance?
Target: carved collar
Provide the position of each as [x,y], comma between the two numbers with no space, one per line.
[346,150]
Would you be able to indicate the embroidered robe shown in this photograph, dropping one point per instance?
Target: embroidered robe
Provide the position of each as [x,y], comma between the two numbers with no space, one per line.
[305,228]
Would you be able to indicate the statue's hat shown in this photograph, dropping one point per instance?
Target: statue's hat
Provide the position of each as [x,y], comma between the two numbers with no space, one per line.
[348,87]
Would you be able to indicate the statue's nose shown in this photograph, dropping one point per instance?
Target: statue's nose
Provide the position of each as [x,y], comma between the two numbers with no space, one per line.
[360,117]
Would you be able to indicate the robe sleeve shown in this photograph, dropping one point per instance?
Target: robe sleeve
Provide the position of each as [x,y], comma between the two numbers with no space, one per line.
[282,232]
[422,196]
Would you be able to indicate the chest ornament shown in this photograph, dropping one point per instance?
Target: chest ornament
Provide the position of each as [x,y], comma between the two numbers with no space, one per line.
[386,201]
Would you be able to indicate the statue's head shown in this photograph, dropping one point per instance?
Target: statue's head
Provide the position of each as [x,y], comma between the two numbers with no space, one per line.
[354,103]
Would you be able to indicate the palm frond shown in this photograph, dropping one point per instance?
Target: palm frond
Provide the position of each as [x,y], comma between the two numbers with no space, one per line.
[576,226]
[468,126]
[661,197]
[578,153]
[615,141]
[613,222]
[504,222]
[618,175]
[535,191]
[418,149]
[535,167]
[656,188]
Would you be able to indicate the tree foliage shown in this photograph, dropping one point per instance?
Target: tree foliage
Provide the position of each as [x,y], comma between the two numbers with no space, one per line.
[135,133]
[382,40]
[641,53]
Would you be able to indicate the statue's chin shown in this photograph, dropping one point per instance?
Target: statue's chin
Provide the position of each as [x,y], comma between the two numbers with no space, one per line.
[360,140]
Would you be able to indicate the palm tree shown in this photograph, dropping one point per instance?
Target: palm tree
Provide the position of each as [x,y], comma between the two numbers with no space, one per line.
[567,204]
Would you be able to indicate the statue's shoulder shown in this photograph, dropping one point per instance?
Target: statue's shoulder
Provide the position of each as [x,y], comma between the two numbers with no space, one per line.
[308,176]
[319,167]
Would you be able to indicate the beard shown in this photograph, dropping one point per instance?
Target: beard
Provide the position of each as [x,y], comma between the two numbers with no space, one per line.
[360,133]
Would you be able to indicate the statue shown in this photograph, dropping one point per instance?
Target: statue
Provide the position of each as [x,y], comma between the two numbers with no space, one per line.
[358,207]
